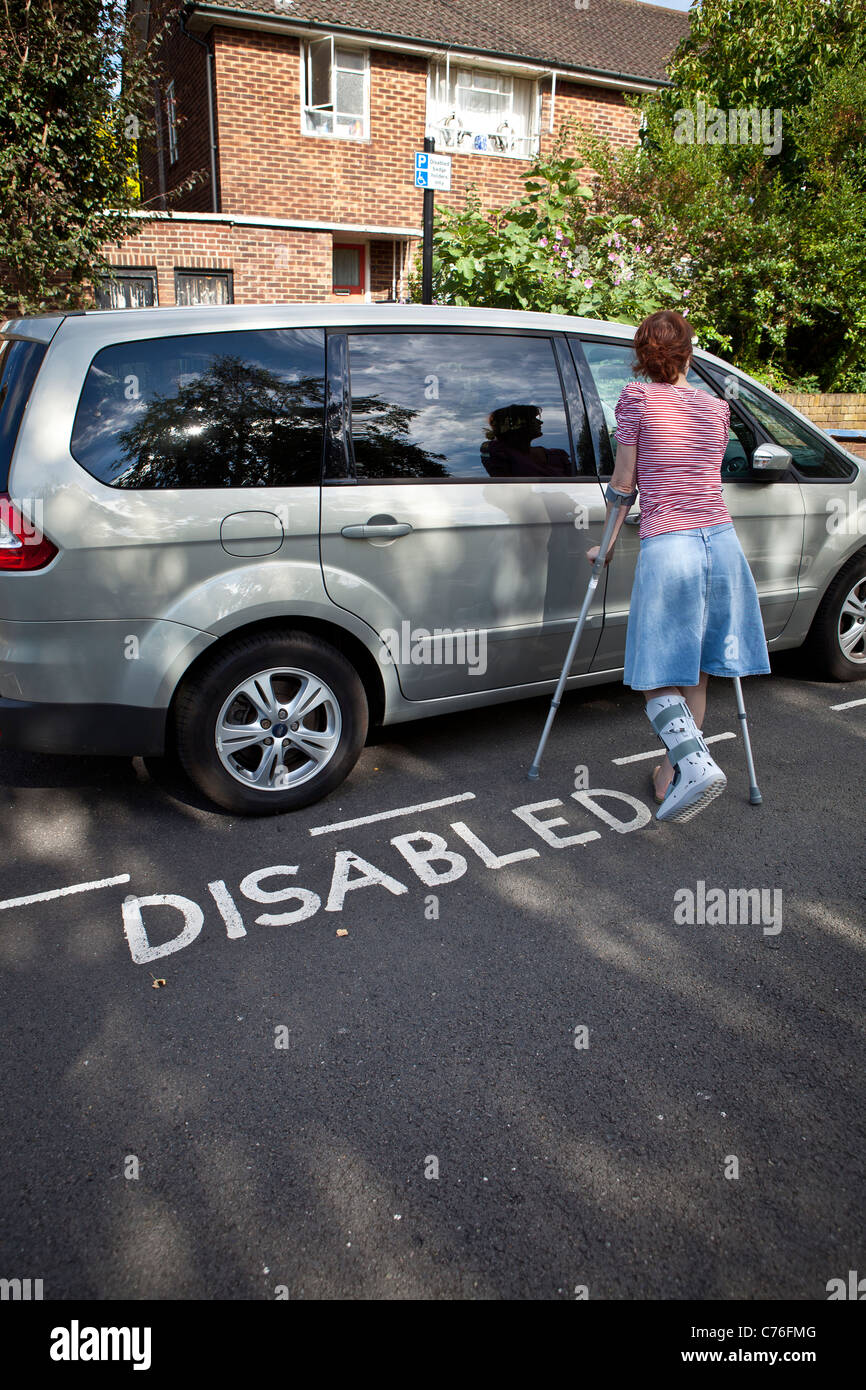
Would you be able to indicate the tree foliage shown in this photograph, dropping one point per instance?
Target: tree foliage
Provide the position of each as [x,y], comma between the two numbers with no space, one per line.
[76,87]
[762,241]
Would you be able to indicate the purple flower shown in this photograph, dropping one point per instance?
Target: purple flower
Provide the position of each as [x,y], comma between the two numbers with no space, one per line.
[589,284]
[611,256]
[649,250]
[635,221]
[542,241]
[558,234]
[686,292]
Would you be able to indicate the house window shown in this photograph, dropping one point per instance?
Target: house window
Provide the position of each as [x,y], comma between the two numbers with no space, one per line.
[203,287]
[171,122]
[478,109]
[348,276]
[127,289]
[336,90]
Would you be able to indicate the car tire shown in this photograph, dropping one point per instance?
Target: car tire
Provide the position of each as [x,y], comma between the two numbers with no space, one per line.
[220,722]
[834,619]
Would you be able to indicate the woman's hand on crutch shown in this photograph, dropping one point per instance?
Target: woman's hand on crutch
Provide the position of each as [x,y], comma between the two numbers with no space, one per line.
[592,554]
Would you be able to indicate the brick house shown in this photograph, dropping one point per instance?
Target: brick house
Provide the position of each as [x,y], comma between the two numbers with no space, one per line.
[298,121]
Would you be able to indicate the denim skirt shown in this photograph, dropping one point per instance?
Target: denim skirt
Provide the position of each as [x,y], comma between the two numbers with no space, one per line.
[694,607]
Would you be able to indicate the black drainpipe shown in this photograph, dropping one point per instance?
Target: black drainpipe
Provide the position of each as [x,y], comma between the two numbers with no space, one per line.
[210,116]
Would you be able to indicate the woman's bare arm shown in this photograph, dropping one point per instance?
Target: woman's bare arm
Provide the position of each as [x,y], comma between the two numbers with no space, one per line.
[623,480]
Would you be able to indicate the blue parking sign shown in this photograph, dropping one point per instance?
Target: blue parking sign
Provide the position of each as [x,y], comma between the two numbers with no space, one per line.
[432,171]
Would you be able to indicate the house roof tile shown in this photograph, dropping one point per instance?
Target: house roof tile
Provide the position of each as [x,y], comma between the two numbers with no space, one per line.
[623,38]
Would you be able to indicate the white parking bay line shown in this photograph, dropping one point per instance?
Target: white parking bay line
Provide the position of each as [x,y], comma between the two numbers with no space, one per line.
[64,892]
[849,704]
[389,815]
[657,752]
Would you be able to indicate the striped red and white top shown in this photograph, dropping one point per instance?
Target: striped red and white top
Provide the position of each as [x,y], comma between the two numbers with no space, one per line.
[681,433]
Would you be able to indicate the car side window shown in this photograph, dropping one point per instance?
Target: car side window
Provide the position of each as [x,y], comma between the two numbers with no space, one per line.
[205,410]
[457,405]
[611,368]
[610,365]
[812,457]
[742,440]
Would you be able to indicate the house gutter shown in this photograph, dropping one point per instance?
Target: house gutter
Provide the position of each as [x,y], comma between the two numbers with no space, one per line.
[210,105]
[271,23]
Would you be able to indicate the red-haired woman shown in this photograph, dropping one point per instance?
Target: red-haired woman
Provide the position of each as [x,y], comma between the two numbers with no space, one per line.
[694,607]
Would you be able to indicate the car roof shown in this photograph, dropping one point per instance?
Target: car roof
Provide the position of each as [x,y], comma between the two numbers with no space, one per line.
[134,323]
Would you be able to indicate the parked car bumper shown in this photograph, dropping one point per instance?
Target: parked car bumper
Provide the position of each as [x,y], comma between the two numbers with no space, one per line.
[102,729]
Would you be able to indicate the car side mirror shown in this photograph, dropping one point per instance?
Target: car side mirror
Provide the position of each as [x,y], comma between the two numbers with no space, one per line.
[770,462]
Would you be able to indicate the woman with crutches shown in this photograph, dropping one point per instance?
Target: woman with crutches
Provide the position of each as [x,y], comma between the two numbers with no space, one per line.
[694,607]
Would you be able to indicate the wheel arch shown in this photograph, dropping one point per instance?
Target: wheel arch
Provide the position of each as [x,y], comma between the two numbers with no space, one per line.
[347,643]
[857,556]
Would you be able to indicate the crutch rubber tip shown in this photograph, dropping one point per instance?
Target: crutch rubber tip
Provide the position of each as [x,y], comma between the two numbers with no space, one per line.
[755,798]
[532,774]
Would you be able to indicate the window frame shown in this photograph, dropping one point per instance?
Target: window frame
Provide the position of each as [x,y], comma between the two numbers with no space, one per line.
[436,74]
[223,273]
[306,78]
[133,272]
[338,394]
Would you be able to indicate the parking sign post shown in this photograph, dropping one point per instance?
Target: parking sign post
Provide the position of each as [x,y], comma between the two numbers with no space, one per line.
[432,171]
[427,258]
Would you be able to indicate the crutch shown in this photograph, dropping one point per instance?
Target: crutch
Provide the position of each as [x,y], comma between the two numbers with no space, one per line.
[755,797]
[597,567]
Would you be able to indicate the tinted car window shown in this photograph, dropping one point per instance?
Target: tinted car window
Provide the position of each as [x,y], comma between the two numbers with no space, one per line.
[209,410]
[611,367]
[457,405]
[19,363]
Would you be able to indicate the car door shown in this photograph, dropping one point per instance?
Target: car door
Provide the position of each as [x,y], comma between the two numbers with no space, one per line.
[768,517]
[460,496]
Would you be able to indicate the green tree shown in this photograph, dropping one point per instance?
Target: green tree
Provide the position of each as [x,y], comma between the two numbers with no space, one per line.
[761,241]
[77,84]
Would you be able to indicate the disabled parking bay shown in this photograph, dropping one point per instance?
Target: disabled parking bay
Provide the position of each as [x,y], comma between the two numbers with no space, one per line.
[449,1033]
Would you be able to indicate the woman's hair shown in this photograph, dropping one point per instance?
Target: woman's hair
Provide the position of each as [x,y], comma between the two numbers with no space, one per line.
[662,346]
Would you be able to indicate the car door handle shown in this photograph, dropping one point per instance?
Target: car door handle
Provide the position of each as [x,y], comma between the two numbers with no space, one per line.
[633,519]
[372,529]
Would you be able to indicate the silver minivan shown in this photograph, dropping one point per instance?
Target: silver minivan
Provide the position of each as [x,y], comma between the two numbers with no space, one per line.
[248,534]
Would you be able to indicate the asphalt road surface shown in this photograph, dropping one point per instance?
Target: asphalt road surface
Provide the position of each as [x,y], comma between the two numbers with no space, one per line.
[625,1063]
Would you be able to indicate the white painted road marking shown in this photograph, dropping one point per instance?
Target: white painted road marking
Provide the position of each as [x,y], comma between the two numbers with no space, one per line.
[389,815]
[849,704]
[64,892]
[659,752]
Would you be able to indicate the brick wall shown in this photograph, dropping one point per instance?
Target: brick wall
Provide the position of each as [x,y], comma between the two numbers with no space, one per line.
[839,411]
[269,265]
[184,61]
[268,167]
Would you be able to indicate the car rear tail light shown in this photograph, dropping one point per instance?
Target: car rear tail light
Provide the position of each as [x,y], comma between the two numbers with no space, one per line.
[22,543]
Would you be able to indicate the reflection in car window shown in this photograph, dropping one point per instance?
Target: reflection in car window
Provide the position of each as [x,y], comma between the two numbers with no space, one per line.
[457,405]
[611,367]
[206,410]
[810,454]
